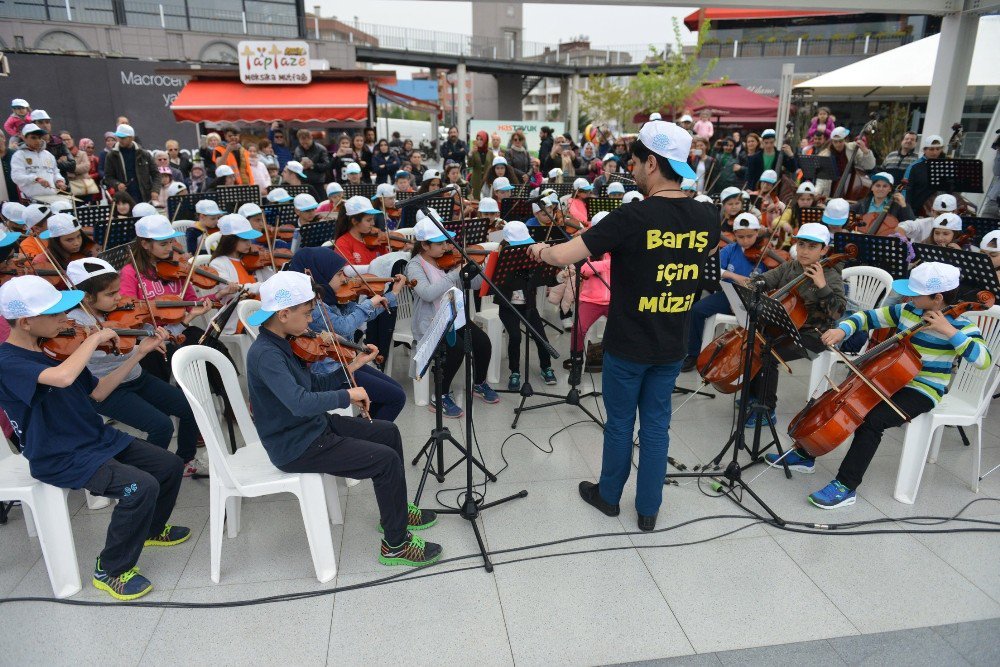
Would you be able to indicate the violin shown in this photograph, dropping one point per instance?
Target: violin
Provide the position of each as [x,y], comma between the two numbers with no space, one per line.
[721,362]
[261,258]
[381,239]
[68,341]
[762,252]
[877,374]
[310,347]
[20,265]
[166,309]
[203,277]
[452,257]
[285,232]
[366,284]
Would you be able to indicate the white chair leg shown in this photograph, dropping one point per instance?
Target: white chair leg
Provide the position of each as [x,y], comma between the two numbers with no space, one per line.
[55,535]
[317,524]
[821,367]
[916,443]
[95,502]
[216,521]
[422,389]
[494,330]
[29,521]
[932,456]
[388,358]
[332,499]
[234,515]
[708,333]
[977,457]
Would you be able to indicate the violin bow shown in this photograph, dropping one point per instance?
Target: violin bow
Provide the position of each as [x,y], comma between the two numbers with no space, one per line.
[774,233]
[270,246]
[107,226]
[878,392]
[197,252]
[227,310]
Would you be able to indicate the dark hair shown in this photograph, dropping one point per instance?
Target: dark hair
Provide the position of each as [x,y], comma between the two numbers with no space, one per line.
[909,132]
[122,196]
[263,143]
[92,286]
[952,296]
[218,182]
[145,263]
[344,224]
[227,245]
[425,186]
[59,253]
[640,152]
[231,128]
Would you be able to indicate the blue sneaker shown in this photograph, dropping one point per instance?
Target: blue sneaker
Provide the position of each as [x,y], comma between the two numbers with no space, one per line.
[752,420]
[549,376]
[795,462]
[833,495]
[128,585]
[449,407]
[514,383]
[485,392]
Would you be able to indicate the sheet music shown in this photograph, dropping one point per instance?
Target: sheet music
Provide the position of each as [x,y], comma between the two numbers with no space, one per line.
[452,310]
[734,301]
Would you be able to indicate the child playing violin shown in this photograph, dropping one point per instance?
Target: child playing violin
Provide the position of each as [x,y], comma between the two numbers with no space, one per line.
[736,268]
[306,209]
[990,245]
[141,400]
[327,269]
[731,202]
[766,199]
[921,228]
[577,207]
[66,241]
[791,218]
[35,223]
[291,414]
[237,235]
[385,202]
[51,407]
[330,207]
[945,231]
[432,284]
[402,181]
[932,287]
[208,223]
[824,298]
[255,216]
[351,231]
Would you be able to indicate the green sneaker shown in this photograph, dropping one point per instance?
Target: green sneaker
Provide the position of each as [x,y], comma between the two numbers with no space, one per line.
[416,518]
[128,585]
[414,552]
[170,536]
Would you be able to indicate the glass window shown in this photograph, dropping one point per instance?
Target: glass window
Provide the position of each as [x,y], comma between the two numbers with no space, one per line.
[147,14]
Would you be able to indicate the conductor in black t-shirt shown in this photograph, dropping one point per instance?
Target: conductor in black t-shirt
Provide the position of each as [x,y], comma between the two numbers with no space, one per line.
[658,248]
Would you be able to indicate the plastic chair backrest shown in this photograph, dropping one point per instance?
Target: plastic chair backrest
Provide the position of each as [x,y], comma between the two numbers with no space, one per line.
[245,309]
[182,225]
[202,260]
[867,285]
[596,330]
[189,369]
[404,304]
[969,383]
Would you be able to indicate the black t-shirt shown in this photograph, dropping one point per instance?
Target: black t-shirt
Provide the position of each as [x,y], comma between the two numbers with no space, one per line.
[658,250]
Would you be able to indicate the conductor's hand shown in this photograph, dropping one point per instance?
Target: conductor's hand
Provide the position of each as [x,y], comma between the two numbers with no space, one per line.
[832,336]
[359,397]
[815,273]
[535,249]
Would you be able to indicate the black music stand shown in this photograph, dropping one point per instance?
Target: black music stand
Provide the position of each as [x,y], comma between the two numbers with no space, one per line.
[983,226]
[93,215]
[293,189]
[118,256]
[515,209]
[885,252]
[181,207]
[768,317]
[468,232]
[276,215]
[122,231]
[231,197]
[597,204]
[443,206]
[957,175]
[363,189]
[561,189]
[624,180]
[815,167]
[316,234]
[976,269]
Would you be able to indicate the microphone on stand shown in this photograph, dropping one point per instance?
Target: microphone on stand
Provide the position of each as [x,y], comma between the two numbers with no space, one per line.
[417,199]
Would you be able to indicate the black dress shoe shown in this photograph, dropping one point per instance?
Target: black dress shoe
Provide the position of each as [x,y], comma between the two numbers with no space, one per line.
[689,364]
[647,523]
[591,493]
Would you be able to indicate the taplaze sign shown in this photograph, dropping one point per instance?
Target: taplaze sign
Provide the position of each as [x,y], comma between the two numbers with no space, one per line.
[270,62]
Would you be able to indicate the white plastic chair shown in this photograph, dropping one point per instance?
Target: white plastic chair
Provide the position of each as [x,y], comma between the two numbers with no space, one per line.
[867,287]
[245,309]
[713,322]
[46,515]
[182,225]
[489,317]
[249,472]
[595,333]
[403,335]
[965,404]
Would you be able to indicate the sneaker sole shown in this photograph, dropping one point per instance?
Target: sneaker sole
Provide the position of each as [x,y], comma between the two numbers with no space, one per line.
[431,408]
[406,561]
[842,503]
[158,543]
[797,468]
[101,586]
[483,399]
[421,527]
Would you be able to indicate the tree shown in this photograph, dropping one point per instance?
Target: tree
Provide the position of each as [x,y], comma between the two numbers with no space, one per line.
[607,100]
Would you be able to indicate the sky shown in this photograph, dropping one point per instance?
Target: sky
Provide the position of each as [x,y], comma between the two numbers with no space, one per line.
[605,25]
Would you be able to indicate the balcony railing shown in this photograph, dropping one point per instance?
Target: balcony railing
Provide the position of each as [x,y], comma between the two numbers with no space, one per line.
[865,45]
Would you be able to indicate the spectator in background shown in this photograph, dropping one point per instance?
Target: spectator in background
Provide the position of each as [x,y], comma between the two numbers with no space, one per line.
[109,142]
[368,154]
[725,163]
[266,152]
[207,152]
[54,144]
[417,166]
[545,147]
[199,178]
[81,183]
[178,160]
[588,158]
[131,168]
[18,118]
[905,156]
[342,156]
[752,147]
[258,168]
[407,150]
[495,145]
[535,177]
[822,122]
[454,148]
[385,163]
[279,144]
[396,144]
[315,161]
[235,156]
[704,128]
[518,157]
[162,159]
[361,156]
[480,159]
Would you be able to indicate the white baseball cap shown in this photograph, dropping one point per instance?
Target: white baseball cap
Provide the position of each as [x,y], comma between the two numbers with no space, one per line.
[384,190]
[19,103]
[555,173]
[729,193]
[686,118]
[208,207]
[425,230]
[944,221]
[670,141]
[352,168]
[488,205]
[306,202]
[60,224]
[582,184]
[746,221]
[928,278]
[31,128]
[502,184]
[77,271]
[813,231]
[235,224]
[769,176]
[357,205]
[515,233]
[8,237]
[224,170]
[611,156]
[40,114]
[931,140]
[945,203]
[420,216]
[884,176]
[768,133]
[144,208]
[704,199]
[615,187]
[430,175]
[249,210]
[632,196]
[13,211]
[689,184]
[334,188]
[840,133]
[499,160]
[124,130]
[293,166]
[60,206]
[285,289]
[600,215]
[837,212]
[175,188]
[991,241]
[31,296]
[805,188]
[655,116]
[34,213]
[279,196]
[156,227]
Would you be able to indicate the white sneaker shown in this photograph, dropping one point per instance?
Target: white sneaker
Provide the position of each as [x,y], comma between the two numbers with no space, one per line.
[567,323]
[195,466]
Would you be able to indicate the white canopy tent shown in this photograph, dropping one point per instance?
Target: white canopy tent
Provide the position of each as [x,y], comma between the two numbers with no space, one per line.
[906,72]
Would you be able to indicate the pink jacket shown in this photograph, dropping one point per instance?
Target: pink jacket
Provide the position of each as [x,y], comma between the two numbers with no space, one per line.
[12,126]
[814,127]
[592,290]
[578,209]
[130,286]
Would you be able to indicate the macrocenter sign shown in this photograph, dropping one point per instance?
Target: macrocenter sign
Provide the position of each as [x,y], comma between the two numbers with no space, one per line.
[273,62]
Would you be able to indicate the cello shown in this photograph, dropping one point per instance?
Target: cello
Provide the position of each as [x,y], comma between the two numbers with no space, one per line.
[786,186]
[854,183]
[884,223]
[875,376]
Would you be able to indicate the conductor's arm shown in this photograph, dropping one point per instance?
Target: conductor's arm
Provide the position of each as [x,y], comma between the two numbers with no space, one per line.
[562,254]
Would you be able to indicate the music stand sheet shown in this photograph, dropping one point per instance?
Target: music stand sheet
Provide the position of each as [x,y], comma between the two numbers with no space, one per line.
[293,189]
[815,167]
[122,231]
[232,197]
[983,227]
[475,230]
[885,252]
[91,216]
[316,233]
[117,256]
[186,204]
[815,214]
[561,189]
[443,206]
[771,314]
[280,214]
[958,175]
[355,189]
[515,209]
[976,268]
[597,204]
[452,310]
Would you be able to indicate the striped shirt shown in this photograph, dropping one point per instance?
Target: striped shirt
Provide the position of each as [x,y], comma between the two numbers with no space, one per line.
[937,353]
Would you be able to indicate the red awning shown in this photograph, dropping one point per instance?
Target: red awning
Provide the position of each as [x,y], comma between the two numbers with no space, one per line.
[728,103]
[716,15]
[233,101]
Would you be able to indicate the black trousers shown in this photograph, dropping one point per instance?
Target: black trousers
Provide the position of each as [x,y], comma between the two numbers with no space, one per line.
[513,326]
[481,353]
[145,480]
[764,386]
[380,330]
[157,366]
[351,447]
[869,435]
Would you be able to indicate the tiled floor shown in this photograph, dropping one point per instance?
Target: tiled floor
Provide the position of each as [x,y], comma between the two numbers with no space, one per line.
[717,591]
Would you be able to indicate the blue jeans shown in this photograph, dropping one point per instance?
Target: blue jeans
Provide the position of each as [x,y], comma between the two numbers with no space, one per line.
[713,304]
[628,385]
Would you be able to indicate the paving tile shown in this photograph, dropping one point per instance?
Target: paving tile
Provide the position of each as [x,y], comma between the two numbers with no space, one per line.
[976,641]
[920,646]
[782,655]
[974,555]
